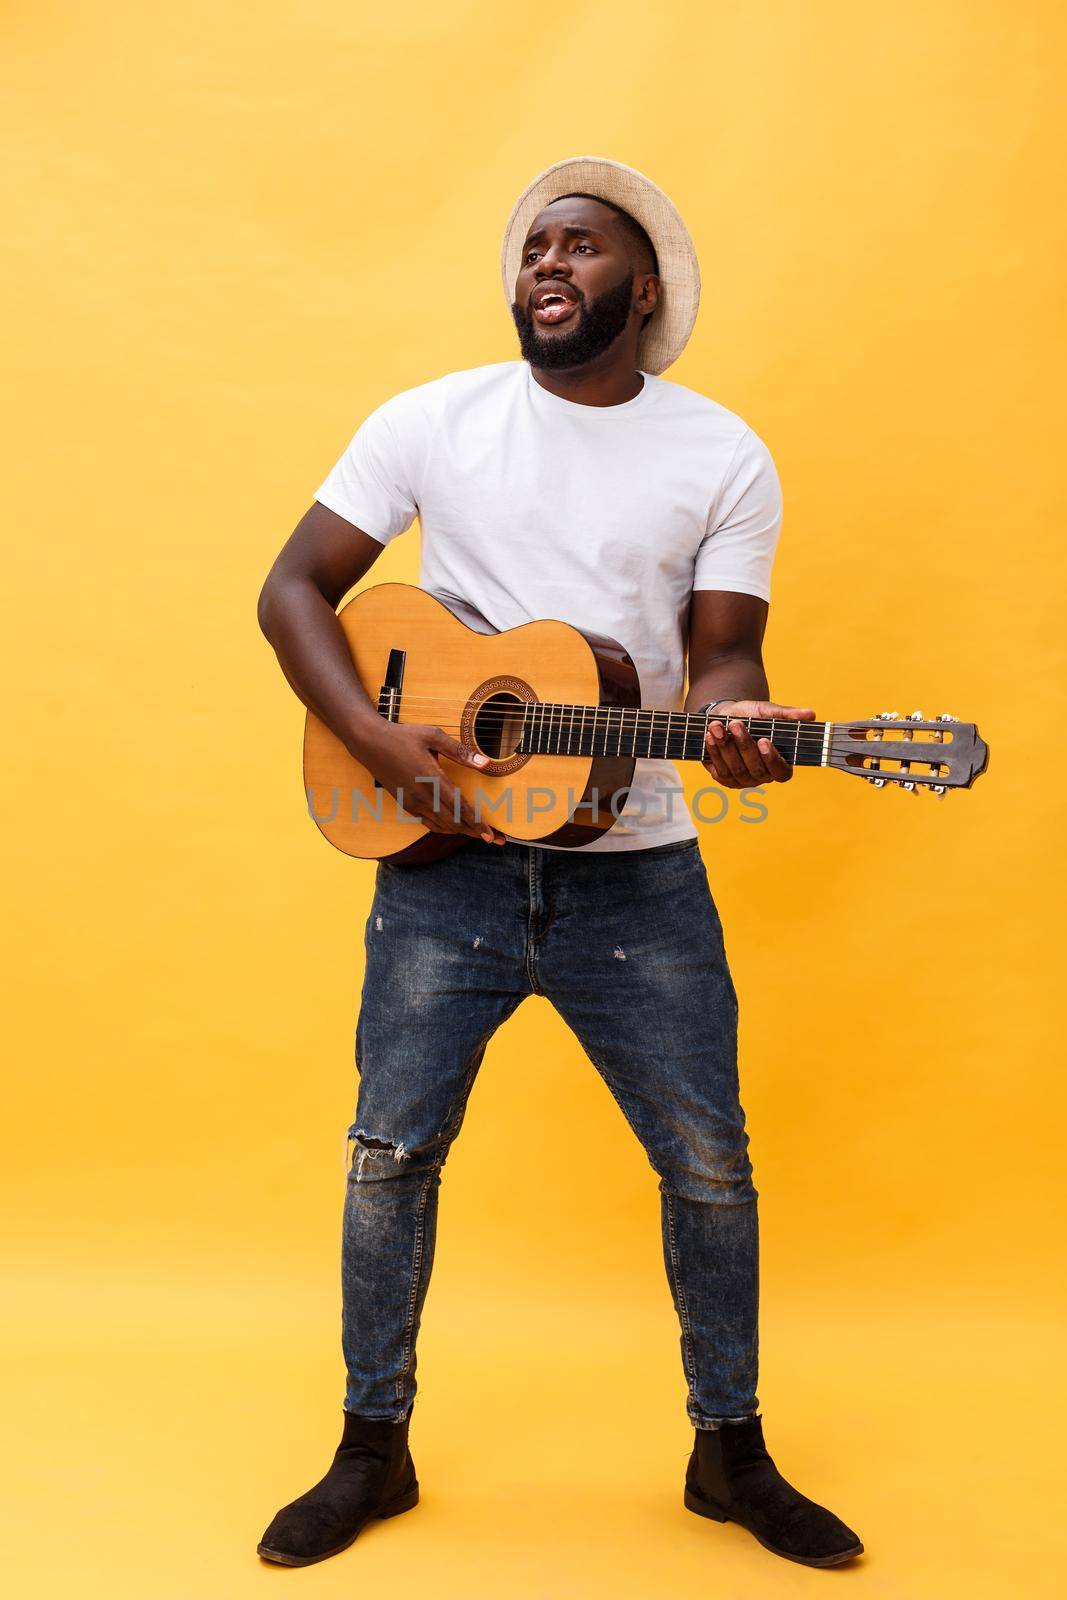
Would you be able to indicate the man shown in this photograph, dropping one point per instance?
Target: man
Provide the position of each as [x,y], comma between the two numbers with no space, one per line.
[574,484]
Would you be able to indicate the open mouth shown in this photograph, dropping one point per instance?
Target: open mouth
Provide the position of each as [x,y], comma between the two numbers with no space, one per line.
[551,306]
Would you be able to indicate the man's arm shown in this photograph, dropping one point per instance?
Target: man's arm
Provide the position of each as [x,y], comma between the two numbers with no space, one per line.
[726,663]
[320,562]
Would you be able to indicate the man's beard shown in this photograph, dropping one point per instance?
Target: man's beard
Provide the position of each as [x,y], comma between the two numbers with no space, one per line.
[598,325]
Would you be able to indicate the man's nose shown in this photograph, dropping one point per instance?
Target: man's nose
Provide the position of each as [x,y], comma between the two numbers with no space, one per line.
[553,264]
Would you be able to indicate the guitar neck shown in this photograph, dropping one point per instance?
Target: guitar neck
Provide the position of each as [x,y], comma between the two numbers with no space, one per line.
[551,729]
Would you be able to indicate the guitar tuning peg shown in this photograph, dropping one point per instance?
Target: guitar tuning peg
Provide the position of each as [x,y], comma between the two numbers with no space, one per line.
[944,717]
[915,716]
[886,716]
[909,787]
[879,783]
[940,789]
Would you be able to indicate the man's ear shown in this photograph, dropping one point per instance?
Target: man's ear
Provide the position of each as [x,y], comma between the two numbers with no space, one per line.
[647,297]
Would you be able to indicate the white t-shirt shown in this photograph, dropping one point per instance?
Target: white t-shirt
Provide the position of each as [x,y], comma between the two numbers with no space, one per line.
[606,517]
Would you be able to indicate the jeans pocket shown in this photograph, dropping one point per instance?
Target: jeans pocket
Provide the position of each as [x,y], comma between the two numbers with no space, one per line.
[669,849]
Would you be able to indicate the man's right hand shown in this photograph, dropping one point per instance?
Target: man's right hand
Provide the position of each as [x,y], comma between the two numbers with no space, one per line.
[403,758]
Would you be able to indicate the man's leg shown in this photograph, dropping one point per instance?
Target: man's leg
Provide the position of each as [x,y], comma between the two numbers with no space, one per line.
[632,956]
[445,946]
[445,965]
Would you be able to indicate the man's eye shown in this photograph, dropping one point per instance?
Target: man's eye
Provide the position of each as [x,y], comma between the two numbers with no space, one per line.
[531,255]
[582,247]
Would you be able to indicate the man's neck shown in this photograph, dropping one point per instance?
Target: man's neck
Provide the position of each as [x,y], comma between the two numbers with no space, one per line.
[601,382]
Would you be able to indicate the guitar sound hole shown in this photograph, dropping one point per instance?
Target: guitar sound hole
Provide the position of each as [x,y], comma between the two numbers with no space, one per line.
[498,725]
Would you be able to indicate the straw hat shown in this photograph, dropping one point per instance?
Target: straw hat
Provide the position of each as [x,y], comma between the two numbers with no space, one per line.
[672,321]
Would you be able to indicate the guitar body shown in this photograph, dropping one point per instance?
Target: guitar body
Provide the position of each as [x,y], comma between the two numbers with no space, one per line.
[472,685]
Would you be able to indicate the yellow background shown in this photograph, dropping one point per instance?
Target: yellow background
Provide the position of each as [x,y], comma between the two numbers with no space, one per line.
[233,231]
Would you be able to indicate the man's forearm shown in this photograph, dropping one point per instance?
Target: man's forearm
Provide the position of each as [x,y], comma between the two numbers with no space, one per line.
[728,678]
[313,653]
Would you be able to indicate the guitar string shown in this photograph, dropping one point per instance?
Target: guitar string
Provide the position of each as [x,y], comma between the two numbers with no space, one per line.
[833,748]
[629,716]
[811,737]
[557,710]
[519,705]
[814,736]
[679,755]
[559,717]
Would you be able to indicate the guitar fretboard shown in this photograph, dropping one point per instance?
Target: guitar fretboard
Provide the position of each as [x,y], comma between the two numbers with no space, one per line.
[551,729]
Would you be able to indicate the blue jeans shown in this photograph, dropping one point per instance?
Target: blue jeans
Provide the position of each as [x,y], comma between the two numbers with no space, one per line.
[628,947]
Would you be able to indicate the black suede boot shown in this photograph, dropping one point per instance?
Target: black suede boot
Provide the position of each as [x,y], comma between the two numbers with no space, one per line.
[372,1475]
[731,1478]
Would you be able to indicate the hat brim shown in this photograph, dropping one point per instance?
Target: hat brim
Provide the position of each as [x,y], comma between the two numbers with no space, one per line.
[665,337]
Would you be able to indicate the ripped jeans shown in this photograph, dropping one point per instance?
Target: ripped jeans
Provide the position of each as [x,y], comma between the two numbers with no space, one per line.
[628,947]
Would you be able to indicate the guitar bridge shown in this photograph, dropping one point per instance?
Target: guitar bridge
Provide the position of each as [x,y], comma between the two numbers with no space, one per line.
[389,693]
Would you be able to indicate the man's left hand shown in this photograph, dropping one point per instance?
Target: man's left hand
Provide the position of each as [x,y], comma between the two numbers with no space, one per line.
[734,758]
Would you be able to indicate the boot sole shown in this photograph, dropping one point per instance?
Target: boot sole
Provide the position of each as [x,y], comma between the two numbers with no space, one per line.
[704,1508]
[404,1502]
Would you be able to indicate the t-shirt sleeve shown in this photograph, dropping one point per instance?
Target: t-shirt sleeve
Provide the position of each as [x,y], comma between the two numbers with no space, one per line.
[372,485]
[737,551]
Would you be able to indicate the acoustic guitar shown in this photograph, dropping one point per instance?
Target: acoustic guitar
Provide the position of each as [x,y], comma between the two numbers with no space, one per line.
[558,713]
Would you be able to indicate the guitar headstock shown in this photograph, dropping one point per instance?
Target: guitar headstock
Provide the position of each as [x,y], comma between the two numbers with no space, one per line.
[910,752]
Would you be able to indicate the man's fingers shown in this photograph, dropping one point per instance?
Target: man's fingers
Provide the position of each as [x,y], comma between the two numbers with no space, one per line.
[462,816]
[445,745]
[730,754]
[766,708]
[750,752]
[448,810]
[471,823]
[738,761]
[778,768]
[715,744]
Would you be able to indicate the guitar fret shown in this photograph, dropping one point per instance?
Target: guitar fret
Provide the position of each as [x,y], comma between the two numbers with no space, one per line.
[646,733]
